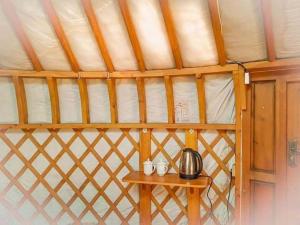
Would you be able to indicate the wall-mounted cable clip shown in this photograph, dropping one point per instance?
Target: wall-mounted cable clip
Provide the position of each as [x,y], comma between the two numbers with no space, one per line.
[247,79]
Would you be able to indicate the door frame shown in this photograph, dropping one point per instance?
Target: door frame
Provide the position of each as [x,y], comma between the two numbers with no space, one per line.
[281,79]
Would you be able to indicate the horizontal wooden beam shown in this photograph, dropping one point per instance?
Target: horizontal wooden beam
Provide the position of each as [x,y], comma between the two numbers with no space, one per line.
[18,28]
[275,65]
[123,74]
[123,126]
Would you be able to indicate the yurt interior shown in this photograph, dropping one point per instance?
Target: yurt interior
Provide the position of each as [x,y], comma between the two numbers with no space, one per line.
[149,112]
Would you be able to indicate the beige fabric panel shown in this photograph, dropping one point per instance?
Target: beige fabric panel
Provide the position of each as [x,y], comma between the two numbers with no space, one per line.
[286,23]
[8,102]
[41,35]
[243,31]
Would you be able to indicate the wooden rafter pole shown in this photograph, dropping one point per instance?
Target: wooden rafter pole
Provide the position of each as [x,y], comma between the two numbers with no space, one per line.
[89,11]
[217,28]
[18,28]
[49,9]
[267,17]
[132,34]
[164,4]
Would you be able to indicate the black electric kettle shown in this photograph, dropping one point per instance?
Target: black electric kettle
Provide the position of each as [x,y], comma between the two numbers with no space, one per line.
[190,165]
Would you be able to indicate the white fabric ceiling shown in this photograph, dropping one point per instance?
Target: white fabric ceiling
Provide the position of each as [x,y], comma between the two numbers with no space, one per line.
[242,29]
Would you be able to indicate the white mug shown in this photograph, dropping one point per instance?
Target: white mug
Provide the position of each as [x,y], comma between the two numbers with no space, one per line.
[161,168]
[149,167]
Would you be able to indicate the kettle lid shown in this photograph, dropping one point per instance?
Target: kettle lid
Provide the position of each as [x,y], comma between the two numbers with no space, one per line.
[187,150]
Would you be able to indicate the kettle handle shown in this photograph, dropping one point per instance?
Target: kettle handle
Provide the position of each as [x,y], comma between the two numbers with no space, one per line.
[197,154]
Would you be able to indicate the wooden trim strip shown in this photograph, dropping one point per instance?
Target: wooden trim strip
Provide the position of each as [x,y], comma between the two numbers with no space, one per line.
[84,100]
[261,176]
[21,100]
[217,28]
[18,28]
[124,74]
[164,4]
[52,86]
[89,11]
[268,27]
[132,34]
[49,9]
[112,100]
[170,99]
[123,126]
[201,98]
[142,99]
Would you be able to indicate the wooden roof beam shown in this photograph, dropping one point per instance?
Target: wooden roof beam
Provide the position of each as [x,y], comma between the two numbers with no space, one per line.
[217,28]
[89,11]
[132,34]
[49,9]
[13,18]
[267,17]
[164,4]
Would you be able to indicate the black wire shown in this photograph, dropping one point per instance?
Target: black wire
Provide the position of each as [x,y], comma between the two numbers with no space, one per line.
[237,62]
[207,193]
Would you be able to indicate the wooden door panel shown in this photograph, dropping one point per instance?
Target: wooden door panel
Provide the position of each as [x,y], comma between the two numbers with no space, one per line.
[263,114]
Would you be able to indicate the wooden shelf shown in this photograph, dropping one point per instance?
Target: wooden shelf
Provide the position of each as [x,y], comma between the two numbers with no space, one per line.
[169,179]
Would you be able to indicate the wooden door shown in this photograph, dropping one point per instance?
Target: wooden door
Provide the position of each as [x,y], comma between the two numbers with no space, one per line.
[271,150]
[293,153]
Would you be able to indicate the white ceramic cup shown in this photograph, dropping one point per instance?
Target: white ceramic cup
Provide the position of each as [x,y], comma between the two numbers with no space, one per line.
[149,167]
[161,168]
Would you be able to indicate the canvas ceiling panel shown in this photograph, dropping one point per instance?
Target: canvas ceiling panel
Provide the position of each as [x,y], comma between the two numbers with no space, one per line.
[194,32]
[152,35]
[98,101]
[12,55]
[156,100]
[220,100]
[8,102]
[79,34]
[69,101]
[41,34]
[185,100]
[115,34]
[243,31]
[127,101]
[286,23]
[38,100]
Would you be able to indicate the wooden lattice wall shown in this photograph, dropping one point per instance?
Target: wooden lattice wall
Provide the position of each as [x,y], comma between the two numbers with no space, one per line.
[32,153]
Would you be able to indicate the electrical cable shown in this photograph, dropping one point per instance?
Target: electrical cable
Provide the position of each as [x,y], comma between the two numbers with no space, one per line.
[228,199]
[237,62]
[207,193]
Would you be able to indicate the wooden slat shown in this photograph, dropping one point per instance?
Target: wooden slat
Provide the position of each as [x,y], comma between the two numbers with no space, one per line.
[145,190]
[21,100]
[87,5]
[170,99]
[112,100]
[191,139]
[237,77]
[84,101]
[127,74]
[52,86]
[142,99]
[201,98]
[123,126]
[193,198]
[132,34]
[164,4]
[18,28]
[267,17]
[217,28]
[49,9]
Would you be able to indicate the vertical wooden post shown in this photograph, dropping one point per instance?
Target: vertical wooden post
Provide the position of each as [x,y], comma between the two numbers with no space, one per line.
[145,190]
[193,196]
[112,100]
[142,99]
[201,98]
[237,78]
[84,100]
[52,86]
[21,99]
[170,99]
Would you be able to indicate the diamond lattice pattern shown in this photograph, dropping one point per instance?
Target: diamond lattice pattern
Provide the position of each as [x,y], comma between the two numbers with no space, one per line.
[68,176]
